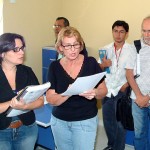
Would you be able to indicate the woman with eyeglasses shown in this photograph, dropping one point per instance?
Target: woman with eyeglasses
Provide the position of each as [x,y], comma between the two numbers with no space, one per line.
[74,118]
[19,132]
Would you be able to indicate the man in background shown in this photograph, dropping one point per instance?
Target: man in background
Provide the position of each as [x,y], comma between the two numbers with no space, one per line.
[141,88]
[61,22]
[117,57]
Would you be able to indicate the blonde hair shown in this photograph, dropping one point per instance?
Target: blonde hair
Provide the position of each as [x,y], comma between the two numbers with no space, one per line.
[69,32]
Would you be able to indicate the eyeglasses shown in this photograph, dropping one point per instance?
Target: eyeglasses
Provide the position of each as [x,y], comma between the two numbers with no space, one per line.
[56,26]
[67,47]
[17,49]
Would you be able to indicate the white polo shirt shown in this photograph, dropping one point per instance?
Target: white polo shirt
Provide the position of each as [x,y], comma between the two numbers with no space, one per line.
[117,76]
[143,80]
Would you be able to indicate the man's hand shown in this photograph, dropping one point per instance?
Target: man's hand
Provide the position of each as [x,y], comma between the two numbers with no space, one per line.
[123,88]
[106,62]
[142,101]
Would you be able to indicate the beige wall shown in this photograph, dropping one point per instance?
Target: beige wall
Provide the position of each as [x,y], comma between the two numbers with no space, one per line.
[33,19]
[93,18]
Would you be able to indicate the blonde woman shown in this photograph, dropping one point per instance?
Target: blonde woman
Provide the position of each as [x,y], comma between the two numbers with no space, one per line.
[74,118]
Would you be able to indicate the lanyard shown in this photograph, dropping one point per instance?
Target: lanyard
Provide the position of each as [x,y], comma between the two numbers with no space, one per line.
[118,56]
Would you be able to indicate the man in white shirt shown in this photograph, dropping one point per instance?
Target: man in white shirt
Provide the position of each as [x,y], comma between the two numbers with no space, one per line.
[141,88]
[117,57]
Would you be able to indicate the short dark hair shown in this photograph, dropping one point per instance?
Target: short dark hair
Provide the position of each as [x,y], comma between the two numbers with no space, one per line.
[121,23]
[66,21]
[7,42]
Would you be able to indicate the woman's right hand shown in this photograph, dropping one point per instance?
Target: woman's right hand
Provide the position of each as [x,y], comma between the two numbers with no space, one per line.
[14,103]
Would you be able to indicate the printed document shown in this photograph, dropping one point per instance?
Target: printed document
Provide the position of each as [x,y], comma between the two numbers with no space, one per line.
[83,84]
[28,94]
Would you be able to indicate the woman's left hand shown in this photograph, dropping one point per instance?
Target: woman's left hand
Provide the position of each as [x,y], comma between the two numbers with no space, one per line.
[89,94]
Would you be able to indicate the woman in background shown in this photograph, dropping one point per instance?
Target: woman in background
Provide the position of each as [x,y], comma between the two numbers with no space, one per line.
[20,132]
[74,118]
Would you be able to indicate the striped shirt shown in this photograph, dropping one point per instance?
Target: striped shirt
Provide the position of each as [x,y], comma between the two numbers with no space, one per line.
[143,80]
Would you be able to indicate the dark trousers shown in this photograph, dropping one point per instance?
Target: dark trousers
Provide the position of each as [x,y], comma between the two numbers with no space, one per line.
[114,129]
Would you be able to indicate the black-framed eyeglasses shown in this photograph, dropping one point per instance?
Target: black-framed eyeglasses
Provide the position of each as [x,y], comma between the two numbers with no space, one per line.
[56,26]
[67,47]
[17,49]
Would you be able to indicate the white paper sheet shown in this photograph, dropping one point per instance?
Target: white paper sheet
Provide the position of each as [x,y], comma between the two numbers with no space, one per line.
[83,84]
[29,94]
